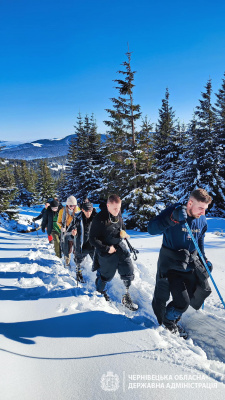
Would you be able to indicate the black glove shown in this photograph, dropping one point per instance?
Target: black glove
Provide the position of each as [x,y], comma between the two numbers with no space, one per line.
[209,265]
[179,214]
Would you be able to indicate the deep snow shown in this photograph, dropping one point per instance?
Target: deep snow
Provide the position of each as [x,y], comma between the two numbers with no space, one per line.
[60,341]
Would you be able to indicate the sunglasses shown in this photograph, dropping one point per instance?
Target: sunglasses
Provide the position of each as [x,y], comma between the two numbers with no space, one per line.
[72,206]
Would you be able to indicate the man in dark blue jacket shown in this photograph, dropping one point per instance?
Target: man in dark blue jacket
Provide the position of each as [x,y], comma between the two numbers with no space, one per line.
[180,270]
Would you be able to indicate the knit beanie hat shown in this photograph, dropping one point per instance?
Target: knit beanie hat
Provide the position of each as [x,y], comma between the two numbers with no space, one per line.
[54,203]
[71,201]
[87,206]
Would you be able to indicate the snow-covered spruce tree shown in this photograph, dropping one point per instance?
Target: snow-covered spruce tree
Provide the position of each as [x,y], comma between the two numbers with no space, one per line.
[167,145]
[114,155]
[187,172]
[219,207]
[120,173]
[82,170]
[121,144]
[86,167]
[92,175]
[166,149]
[207,157]
[25,180]
[46,185]
[68,187]
[145,194]
[60,186]
[7,185]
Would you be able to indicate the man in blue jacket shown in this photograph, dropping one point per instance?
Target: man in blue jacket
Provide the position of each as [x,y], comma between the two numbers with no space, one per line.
[180,270]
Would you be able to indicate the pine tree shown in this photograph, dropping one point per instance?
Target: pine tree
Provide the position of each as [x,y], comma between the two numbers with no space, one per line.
[219,208]
[82,170]
[206,137]
[120,144]
[144,207]
[93,176]
[166,144]
[7,186]
[165,153]
[82,165]
[187,172]
[60,186]
[71,173]
[45,185]
[26,179]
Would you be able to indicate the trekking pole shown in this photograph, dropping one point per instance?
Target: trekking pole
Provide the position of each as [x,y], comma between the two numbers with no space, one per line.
[62,238]
[203,260]
[132,250]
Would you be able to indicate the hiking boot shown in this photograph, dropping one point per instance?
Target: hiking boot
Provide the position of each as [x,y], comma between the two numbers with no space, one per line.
[170,325]
[105,294]
[173,327]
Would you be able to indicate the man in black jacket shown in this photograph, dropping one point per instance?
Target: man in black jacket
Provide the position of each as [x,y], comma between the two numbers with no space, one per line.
[112,254]
[81,230]
[49,221]
[40,216]
[180,271]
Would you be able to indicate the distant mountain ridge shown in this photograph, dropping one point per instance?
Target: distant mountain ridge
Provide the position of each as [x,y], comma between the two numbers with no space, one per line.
[43,148]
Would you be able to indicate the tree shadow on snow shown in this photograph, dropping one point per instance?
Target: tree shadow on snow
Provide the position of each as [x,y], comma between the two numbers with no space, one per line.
[25,249]
[25,260]
[19,275]
[79,325]
[13,293]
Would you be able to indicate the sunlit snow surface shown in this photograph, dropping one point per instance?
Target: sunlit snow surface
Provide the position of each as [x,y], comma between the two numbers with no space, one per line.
[60,341]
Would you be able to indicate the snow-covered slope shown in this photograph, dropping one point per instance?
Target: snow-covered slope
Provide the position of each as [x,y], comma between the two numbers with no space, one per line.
[60,341]
[44,148]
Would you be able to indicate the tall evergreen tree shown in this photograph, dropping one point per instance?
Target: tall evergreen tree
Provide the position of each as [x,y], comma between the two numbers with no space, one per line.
[142,200]
[26,179]
[121,137]
[187,172]
[207,155]
[7,185]
[166,143]
[46,185]
[93,176]
[82,170]
[219,208]
[71,172]
[165,149]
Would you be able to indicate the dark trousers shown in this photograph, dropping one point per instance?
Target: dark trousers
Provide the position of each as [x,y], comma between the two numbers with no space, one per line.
[67,245]
[161,296]
[87,249]
[182,287]
[109,264]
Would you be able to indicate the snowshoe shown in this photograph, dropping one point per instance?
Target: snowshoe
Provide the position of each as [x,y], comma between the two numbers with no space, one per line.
[127,302]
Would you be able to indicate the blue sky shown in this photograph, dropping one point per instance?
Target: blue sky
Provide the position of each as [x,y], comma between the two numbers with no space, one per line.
[59,57]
